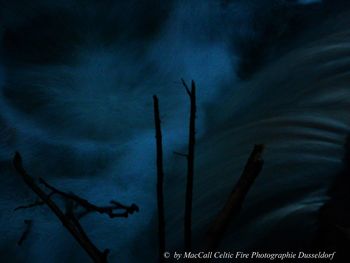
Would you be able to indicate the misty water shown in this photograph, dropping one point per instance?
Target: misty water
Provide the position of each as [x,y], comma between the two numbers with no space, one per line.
[77,79]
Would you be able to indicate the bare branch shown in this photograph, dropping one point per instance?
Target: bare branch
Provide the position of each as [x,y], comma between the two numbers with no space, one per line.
[71,225]
[28,228]
[236,198]
[160,180]
[190,165]
[35,204]
[108,210]
[186,87]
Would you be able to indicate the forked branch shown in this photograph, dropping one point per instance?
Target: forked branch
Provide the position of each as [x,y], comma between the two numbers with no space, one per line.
[68,218]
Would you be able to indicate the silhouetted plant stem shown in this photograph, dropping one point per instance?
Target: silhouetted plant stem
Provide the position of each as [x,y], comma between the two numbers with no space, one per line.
[68,221]
[190,165]
[35,204]
[28,228]
[160,180]
[236,198]
[89,207]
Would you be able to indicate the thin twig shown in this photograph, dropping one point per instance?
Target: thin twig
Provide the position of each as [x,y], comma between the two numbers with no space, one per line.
[186,87]
[160,180]
[108,210]
[35,204]
[190,165]
[28,228]
[38,202]
[71,225]
[181,154]
[236,198]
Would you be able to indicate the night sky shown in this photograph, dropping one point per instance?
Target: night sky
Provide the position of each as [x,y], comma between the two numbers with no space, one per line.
[77,79]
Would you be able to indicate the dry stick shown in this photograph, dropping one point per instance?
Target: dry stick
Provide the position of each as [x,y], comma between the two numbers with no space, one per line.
[28,228]
[89,207]
[160,179]
[236,199]
[35,204]
[72,225]
[190,165]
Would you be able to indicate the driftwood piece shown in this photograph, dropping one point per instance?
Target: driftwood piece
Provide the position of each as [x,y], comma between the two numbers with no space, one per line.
[190,165]
[160,180]
[235,201]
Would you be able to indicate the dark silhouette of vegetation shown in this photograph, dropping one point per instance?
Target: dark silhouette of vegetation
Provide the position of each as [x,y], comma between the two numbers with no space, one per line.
[28,227]
[235,201]
[108,210]
[190,172]
[160,180]
[190,164]
[35,204]
[69,218]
